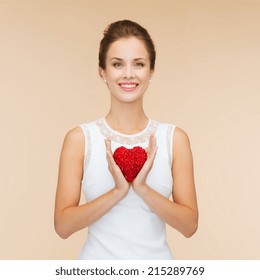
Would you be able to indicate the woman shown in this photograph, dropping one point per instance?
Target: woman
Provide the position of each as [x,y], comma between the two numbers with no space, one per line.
[126,220]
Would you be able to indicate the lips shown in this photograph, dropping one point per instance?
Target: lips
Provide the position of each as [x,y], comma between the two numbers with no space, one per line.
[128,86]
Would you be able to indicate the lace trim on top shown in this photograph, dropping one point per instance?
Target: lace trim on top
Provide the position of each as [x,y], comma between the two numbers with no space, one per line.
[87,145]
[125,139]
[169,142]
[88,148]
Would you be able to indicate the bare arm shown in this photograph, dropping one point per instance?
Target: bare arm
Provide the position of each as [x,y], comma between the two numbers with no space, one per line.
[182,212]
[69,216]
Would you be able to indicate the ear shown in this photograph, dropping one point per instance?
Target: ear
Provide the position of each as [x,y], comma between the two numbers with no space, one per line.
[102,73]
[151,74]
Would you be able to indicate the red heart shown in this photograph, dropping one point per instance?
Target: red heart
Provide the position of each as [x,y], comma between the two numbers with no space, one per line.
[130,161]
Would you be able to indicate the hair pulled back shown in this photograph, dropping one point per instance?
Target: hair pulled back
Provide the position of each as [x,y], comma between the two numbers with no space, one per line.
[125,29]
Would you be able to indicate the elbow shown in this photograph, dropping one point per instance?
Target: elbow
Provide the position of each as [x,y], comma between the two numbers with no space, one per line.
[64,234]
[192,226]
[191,230]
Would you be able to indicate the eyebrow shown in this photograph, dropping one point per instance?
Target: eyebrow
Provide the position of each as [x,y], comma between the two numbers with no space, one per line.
[120,59]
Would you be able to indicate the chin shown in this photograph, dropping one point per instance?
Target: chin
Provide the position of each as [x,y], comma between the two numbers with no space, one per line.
[128,97]
[131,99]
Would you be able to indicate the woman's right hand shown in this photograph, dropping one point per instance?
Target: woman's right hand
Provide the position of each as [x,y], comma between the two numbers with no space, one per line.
[121,184]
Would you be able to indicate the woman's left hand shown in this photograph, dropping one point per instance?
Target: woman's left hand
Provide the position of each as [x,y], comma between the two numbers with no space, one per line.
[140,181]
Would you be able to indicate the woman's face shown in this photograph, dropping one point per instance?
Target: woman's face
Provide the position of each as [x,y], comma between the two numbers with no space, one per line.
[127,69]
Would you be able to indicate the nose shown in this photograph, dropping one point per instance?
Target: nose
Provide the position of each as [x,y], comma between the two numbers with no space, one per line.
[128,72]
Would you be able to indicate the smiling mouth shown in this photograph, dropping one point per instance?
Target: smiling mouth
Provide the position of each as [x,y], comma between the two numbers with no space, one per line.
[128,86]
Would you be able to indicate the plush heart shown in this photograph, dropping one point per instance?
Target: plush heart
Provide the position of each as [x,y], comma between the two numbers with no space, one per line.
[130,161]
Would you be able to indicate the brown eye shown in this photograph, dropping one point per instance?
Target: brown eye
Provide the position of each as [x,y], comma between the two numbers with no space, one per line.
[118,65]
[139,65]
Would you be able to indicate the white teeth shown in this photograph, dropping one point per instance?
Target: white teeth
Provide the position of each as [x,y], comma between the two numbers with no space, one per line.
[128,86]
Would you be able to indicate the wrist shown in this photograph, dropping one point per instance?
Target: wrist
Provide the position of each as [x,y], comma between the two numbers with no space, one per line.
[141,189]
[119,192]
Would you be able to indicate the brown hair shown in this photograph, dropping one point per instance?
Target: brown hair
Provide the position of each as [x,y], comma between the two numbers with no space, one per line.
[125,29]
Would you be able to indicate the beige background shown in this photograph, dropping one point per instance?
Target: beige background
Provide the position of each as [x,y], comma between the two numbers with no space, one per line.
[206,82]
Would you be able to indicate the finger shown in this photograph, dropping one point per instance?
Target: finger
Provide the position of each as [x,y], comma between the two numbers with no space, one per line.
[110,157]
[108,152]
[152,144]
[153,153]
[108,144]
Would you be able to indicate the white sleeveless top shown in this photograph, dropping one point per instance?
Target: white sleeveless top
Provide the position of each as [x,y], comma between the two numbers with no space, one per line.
[130,230]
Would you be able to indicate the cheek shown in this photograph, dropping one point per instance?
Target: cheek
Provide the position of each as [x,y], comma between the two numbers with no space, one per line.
[113,76]
[143,73]
[144,76]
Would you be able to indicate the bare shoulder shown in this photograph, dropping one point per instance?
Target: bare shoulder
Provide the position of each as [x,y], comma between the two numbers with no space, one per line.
[181,142]
[180,134]
[74,140]
[75,134]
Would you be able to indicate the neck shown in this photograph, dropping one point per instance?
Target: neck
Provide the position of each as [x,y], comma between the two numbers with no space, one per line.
[128,118]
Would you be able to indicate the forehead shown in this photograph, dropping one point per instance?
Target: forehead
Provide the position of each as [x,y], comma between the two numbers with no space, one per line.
[128,48]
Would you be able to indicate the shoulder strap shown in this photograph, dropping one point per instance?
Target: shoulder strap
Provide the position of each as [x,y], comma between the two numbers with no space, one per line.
[85,129]
[170,133]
